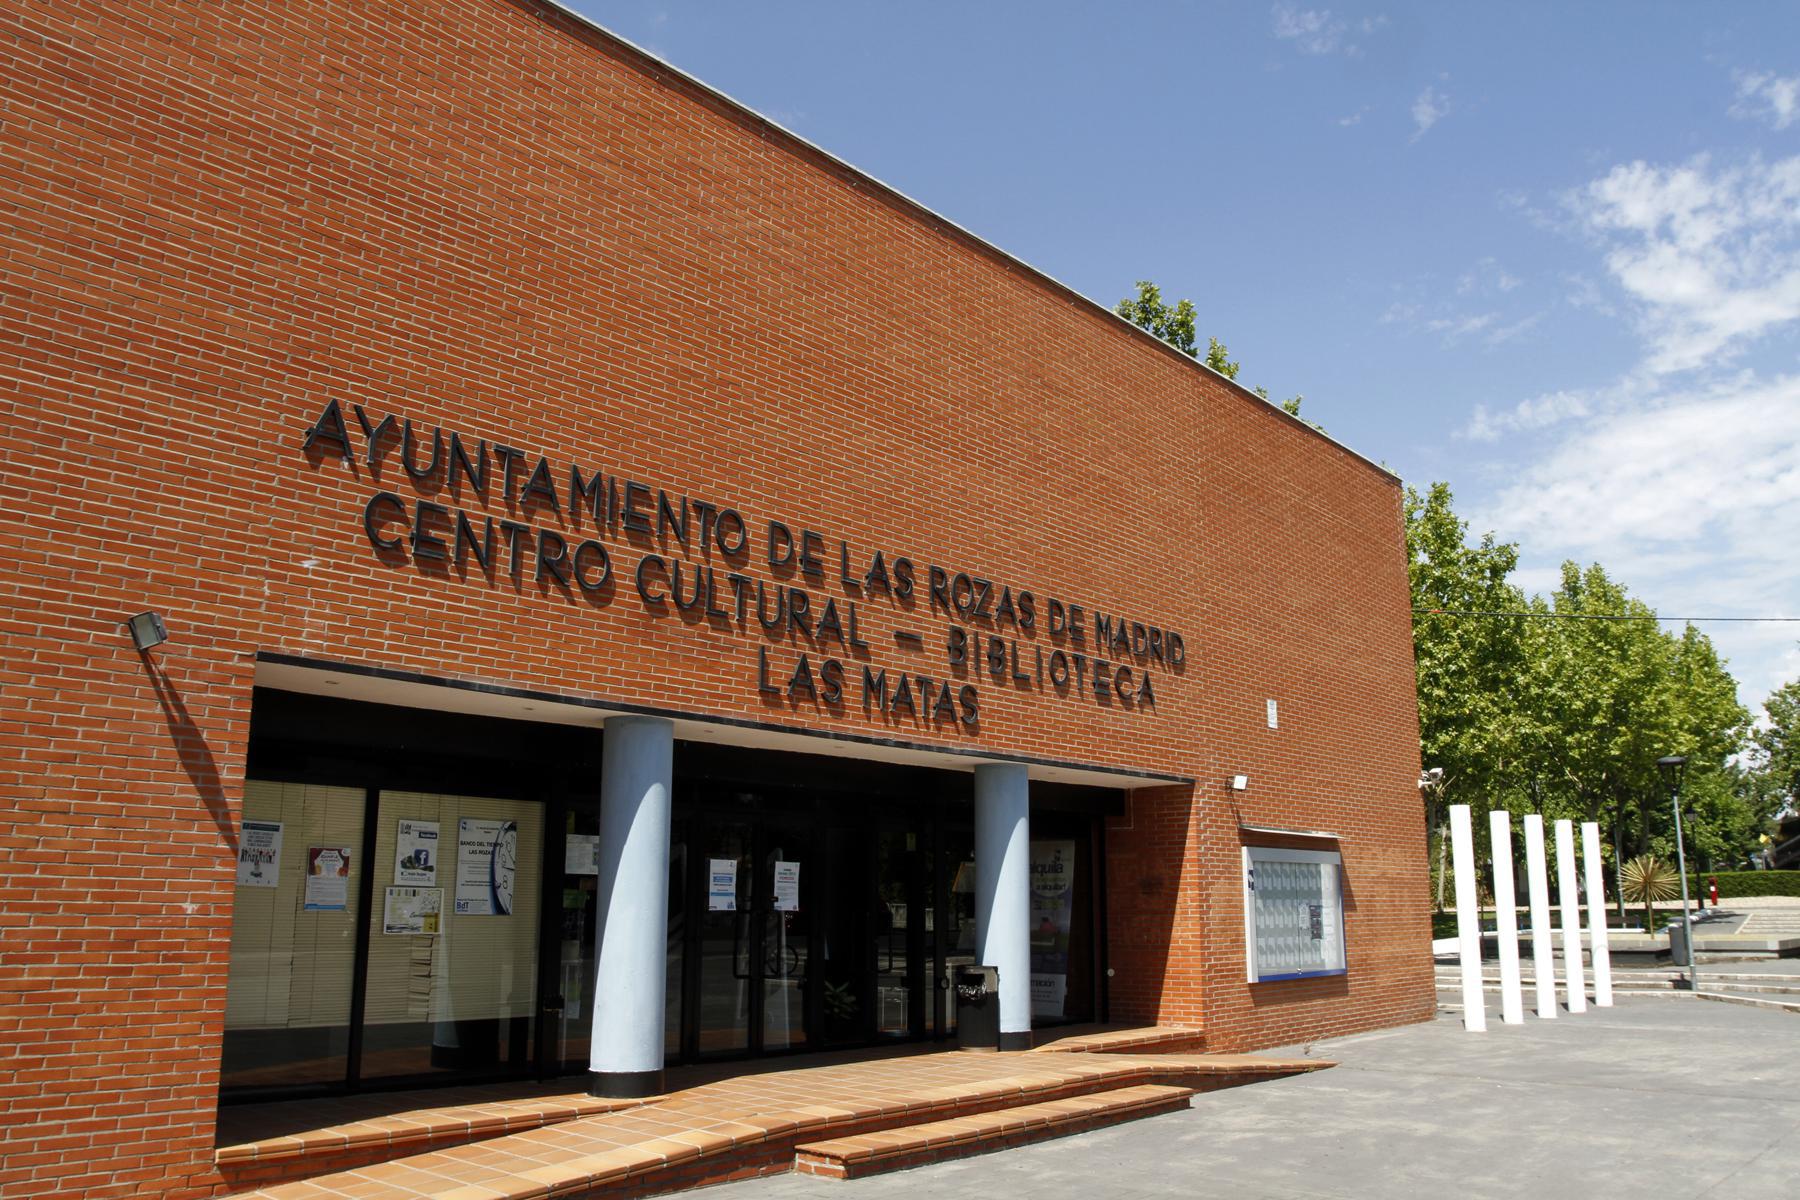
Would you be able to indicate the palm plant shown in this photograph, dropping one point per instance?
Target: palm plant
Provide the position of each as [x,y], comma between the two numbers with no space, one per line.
[1646,880]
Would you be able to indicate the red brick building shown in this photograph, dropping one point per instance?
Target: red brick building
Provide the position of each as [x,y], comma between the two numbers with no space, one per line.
[535,455]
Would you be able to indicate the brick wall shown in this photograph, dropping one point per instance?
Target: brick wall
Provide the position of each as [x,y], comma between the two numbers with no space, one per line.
[222,218]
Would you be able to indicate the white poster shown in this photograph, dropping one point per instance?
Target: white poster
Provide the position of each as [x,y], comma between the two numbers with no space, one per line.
[581,854]
[259,854]
[487,855]
[787,886]
[327,879]
[412,910]
[721,890]
[416,853]
[1052,907]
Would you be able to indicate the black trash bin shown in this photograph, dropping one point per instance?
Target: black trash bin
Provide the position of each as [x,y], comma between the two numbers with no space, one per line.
[977,1007]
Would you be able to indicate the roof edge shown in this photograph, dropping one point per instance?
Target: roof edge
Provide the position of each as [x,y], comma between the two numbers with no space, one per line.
[944,224]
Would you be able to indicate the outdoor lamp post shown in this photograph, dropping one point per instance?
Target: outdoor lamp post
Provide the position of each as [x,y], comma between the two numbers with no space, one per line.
[1673,768]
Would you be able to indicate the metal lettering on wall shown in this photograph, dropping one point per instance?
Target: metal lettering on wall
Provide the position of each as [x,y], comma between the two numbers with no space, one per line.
[696,558]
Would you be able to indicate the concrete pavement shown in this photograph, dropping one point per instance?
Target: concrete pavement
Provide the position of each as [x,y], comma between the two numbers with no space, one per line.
[1671,1097]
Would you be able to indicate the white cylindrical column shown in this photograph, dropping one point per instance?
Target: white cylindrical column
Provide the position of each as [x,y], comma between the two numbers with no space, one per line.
[1543,949]
[1574,982]
[1506,917]
[631,927]
[1003,891]
[1596,905]
[1468,917]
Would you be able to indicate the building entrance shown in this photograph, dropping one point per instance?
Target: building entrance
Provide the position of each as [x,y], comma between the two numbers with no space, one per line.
[405,918]
[813,924]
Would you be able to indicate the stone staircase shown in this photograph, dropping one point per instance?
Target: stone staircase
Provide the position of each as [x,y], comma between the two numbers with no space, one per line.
[1761,989]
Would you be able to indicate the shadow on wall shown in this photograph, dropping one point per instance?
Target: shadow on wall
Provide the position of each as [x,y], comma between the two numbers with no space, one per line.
[196,757]
[1144,861]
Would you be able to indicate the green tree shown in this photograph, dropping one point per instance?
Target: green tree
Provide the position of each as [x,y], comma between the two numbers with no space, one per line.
[1552,705]
[1777,745]
[1174,325]
[1468,668]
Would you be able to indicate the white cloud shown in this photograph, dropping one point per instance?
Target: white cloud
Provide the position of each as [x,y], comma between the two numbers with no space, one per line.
[1767,97]
[1431,107]
[1454,327]
[1683,495]
[1487,275]
[1682,484]
[1513,330]
[1316,31]
[1585,293]
[1473,313]
[1354,118]
[1538,412]
[1710,256]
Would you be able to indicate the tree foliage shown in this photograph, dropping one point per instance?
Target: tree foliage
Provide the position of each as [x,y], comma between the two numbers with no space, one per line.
[1175,324]
[1776,747]
[1562,709]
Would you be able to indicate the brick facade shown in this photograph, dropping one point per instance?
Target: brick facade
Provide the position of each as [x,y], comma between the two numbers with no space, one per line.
[481,216]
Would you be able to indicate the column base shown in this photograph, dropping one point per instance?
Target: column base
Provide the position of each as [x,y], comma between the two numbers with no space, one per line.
[1016,1041]
[625,1085]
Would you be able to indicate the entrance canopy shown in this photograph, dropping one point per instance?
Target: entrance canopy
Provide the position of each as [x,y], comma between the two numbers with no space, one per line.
[377,685]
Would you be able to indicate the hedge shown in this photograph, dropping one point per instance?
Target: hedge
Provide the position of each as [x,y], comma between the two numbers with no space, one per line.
[1747,883]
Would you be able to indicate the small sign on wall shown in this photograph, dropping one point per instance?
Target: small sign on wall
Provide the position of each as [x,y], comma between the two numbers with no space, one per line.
[259,854]
[327,879]
[787,887]
[415,853]
[721,888]
[411,910]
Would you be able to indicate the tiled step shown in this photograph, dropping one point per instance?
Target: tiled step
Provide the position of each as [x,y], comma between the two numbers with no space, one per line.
[749,1125]
[1156,1039]
[914,1145]
[303,1138]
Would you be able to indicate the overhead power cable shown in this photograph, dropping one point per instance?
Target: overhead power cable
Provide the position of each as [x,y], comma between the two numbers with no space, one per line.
[1562,616]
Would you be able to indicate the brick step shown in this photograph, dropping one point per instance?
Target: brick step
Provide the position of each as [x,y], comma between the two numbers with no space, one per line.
[959,1137]
[750,1125]
[1155,1039]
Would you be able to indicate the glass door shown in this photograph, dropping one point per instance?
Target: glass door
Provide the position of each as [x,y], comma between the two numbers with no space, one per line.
[721,972]
[903,920]
[784,925]
[452,974]
[569,989]
[953,941]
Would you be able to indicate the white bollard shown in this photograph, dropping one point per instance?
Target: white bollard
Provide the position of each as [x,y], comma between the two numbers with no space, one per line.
[1574,983]
[1596,901]
[1506,924]
[1468,917]
[1543,952]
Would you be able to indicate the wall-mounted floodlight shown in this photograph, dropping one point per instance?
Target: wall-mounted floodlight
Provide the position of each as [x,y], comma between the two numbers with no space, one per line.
[147,631]
[1239,782]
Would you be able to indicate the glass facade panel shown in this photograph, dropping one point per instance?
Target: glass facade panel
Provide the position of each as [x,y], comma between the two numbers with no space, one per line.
[723,1011]
[293,935]
[461,1000]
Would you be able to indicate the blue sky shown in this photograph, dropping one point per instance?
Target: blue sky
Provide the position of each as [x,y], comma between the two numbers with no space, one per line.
[1548,253]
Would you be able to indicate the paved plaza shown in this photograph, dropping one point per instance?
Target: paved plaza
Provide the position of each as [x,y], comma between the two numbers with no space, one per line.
[1664,1096]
